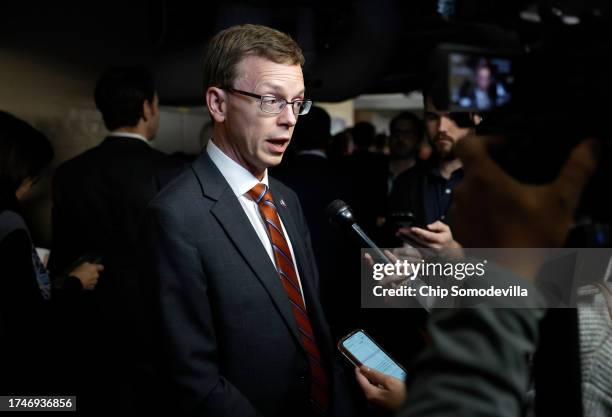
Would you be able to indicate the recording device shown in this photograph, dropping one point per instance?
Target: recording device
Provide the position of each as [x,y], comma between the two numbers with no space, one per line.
[402,219]
[360,349]
[93,257]
[340,214]
[543,97]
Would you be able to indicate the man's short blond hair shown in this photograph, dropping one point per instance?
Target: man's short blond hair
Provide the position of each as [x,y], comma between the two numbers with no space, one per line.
[230,46]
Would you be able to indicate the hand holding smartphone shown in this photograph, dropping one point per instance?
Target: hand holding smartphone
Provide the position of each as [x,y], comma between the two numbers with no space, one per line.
[360,349]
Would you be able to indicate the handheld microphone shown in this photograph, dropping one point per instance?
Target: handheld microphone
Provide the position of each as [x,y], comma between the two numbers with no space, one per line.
[340,214]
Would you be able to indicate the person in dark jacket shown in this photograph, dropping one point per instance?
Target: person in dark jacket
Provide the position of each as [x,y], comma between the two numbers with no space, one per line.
[28,301]
[369,173]
[99,198]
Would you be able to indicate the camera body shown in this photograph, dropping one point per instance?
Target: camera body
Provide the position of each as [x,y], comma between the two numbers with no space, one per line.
[544,98]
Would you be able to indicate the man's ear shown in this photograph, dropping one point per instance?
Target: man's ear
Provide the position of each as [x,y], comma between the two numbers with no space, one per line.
[147,110]
[216,101]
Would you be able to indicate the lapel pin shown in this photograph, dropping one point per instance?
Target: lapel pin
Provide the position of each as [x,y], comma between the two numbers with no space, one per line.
[282,203]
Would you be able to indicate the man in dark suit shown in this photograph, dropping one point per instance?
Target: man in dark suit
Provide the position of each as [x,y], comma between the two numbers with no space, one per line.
[239,327]
[371,171]
[99,198]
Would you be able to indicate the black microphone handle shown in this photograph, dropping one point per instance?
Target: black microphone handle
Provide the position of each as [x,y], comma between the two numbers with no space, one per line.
[377,254]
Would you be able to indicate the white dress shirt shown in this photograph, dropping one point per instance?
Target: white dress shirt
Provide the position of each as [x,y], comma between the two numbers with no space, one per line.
[241,181]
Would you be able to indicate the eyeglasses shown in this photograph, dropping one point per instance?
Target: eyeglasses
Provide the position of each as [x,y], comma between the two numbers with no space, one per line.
[275,105]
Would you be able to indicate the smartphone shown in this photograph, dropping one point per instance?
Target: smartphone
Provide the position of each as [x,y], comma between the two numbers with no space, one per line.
[402,219]
[360,349]
[93,257]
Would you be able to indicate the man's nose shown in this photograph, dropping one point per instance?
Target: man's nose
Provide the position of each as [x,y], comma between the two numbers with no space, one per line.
[445,124]
[287,117]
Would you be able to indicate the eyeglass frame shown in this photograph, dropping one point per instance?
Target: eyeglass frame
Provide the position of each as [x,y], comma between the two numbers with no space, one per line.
[308,103]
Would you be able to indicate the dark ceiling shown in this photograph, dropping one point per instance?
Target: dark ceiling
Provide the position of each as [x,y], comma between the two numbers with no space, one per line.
[351,47]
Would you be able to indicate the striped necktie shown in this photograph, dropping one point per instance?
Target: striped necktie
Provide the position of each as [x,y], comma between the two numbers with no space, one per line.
[319,388]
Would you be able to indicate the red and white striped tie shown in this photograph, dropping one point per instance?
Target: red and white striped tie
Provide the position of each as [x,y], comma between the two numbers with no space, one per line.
[319,387]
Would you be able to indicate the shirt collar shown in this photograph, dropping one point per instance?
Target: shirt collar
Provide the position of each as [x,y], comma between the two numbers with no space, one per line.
[129,135]
[239,178]
[434,171]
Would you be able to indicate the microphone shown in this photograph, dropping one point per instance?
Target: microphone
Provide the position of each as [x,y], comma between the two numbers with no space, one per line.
[340,214]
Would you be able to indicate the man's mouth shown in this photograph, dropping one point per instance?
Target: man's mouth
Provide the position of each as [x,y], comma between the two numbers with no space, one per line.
[277,145]
[444,139]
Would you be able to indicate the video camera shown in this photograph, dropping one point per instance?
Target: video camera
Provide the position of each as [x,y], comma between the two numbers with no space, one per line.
[545,96]
[471,79]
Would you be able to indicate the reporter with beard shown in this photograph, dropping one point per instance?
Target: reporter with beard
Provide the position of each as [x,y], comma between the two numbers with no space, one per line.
[426,189]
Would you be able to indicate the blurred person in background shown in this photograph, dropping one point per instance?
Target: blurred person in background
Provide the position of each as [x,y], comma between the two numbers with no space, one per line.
[99,198]
[406,135]
[341,145]
[368,171]
[31,358]
[381,144]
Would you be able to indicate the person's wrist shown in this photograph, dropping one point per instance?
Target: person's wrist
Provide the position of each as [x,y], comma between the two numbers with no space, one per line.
[455,245]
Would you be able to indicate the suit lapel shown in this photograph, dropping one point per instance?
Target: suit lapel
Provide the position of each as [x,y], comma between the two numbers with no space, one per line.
[230,214]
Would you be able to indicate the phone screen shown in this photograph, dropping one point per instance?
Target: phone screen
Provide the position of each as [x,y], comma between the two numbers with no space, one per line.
[366,351]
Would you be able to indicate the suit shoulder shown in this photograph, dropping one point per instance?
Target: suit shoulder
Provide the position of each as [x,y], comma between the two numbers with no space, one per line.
[11,221]
[76,162]
[160,154]
[163,156]
[184,188]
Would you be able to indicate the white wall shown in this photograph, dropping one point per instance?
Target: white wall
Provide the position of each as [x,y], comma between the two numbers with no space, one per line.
[180,129]
[57,98]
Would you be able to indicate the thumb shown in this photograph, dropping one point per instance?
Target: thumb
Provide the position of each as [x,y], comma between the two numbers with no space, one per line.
[368,259]
[375,377]
[361,377]
[100,267]
[576,172]
[437,226]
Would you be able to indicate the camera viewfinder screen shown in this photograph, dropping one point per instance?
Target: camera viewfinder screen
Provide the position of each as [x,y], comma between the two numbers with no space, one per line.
[479,82]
